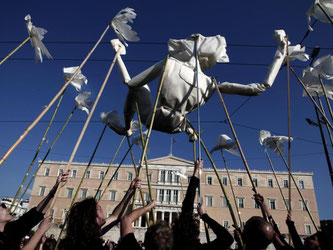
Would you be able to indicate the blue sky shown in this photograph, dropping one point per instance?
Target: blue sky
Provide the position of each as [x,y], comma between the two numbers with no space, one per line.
[27,86]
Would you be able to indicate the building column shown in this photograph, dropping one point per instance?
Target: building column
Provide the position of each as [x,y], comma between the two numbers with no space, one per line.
[162,216]
[170,217]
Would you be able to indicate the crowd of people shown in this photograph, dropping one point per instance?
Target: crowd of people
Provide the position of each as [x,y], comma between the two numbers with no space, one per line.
[86,225]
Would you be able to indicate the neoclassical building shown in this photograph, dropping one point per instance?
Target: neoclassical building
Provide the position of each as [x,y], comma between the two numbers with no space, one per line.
[169,179]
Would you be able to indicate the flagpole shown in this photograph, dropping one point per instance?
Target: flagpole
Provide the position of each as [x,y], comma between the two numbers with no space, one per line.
[16,49]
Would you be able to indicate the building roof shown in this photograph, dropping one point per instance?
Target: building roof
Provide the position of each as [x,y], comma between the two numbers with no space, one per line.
[170,160]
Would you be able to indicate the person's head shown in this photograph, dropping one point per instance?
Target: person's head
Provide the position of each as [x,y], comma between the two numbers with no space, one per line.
[52,236]
[318,241]
[49,244]
[186,229]
[258,233]
[159,237]
[4,214]
[85,220]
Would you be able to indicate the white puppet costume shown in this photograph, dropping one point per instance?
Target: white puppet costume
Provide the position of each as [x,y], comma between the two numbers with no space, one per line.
[179,94]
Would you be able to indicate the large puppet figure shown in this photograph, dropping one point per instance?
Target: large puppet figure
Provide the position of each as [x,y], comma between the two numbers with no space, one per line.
[179,91]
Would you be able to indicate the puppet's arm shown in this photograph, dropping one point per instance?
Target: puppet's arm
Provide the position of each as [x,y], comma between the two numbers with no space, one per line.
[257,88]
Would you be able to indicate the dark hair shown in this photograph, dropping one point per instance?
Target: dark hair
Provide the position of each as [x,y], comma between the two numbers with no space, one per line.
[159,237]
[258,233]
[186,231]
[82,228]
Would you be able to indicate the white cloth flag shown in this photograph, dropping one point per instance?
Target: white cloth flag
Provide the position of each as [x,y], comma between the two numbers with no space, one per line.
[317,12]
[275,143]
[137,140]
[82,102]
[78,80]
[226,143]
[115,122]
[36,36]
[120,25]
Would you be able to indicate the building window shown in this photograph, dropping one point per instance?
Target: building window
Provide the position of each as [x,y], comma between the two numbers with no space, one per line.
[240,202]
[177,180]
[162,176]
[239,181]
[87,174]
[98,194]
[101,174]
[308,229]
[272,203]
[255,182]
[64,214]
[225,224]
[113,195]
[304,206]
[84,193]
[270,183]
[285,183]
[224,201]
[291,204]
[161,195]
[188,179]
[175,196]
[301,184]
[42,190]
[69,192]
[209,201]
[60,171]
[209,180]
[74,172]
[168,196]
[150,176]
[129,176]
[47,172]
[146,197]
[115,176]
[169,176]
[225,181]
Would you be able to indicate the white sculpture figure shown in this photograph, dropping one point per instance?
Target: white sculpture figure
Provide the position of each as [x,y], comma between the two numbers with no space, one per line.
[322,67]
[78,80]
[317,12]
[82,102]
[178,95]
[36,37]
[275,143]
[226,143]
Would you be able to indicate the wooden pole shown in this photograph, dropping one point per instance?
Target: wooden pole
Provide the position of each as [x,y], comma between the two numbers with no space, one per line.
[326,98]
[32,125]
[328,129]
[238,145]
[86,124]
[16,49]
[292,177]
[311,98]
[232,189]
[109,167]
[322,9]
[289,127]
[37,152]
[276,179]
[46,155]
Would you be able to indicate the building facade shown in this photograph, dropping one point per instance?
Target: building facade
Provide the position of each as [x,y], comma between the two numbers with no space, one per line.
[169,179]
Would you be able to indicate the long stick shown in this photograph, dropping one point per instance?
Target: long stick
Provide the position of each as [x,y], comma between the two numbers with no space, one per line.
[205,224]
[86,124]
[311,98]
[37,151]
[17,48]
[10,150]
[238,145]
[46,155]
[326,98]
[289,127]
[292,177]
[218,177]
[107,171]
[328,129]
[232,189]
[81,181]
[329,164]
[276,179]
[198,108]
[140,190]
[322,9]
